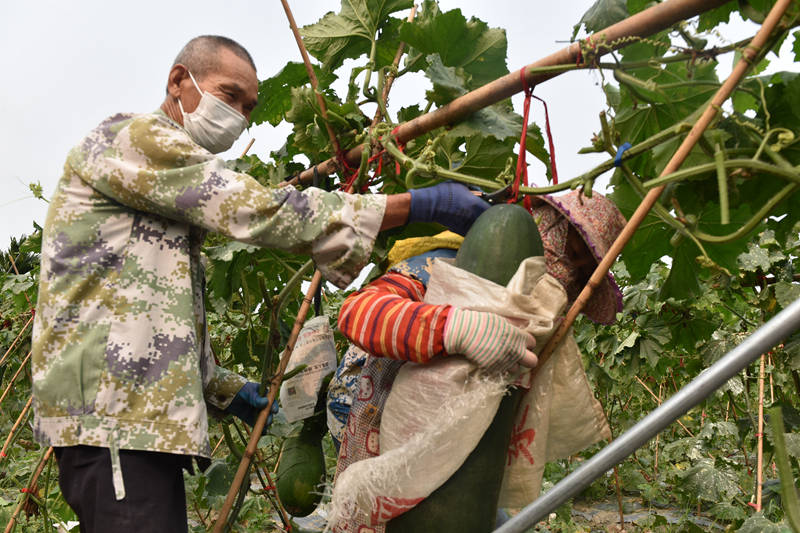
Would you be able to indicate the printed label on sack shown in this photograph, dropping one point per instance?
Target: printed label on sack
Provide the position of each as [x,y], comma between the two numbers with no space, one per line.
[315,349]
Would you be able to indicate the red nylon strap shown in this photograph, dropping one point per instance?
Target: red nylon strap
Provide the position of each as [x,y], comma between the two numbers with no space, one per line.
[553,169]
[522,166]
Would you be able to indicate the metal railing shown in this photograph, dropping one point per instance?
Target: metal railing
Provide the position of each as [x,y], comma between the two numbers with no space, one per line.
[763,339]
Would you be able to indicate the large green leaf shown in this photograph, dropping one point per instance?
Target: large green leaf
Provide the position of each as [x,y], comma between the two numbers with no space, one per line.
[682,281]
[710,482]
[651,240]
[469,44]
[484,157]
[498,120]
[275,93]
[351,32]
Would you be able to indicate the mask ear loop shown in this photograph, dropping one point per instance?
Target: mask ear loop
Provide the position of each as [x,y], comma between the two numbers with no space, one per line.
[196,86]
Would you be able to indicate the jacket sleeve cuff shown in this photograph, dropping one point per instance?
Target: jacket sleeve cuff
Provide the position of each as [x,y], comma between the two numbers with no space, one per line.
[345,249]
[222,388]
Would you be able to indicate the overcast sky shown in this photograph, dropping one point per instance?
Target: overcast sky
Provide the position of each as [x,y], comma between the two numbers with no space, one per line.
[68,65]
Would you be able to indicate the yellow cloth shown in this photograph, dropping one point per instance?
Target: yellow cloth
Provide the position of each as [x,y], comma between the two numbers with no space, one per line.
[405,248]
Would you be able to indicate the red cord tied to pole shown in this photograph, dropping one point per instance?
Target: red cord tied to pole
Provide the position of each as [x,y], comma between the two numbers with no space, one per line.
[522,166]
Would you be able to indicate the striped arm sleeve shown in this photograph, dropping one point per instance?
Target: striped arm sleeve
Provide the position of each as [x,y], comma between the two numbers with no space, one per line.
[387,318]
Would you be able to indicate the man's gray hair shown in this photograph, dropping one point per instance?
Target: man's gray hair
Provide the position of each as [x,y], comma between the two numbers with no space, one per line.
[200,54]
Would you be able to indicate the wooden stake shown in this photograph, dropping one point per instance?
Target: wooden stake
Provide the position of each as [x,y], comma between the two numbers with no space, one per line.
[760,435]
[619,499]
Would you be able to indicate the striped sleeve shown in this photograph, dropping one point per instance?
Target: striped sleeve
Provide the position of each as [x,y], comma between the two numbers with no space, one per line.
[387,318]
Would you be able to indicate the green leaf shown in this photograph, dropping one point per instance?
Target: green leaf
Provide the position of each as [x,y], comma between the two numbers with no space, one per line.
[629,342]
[719,15]
[796,45]
[755,258]
[469,44]
[758,523]
[682,280]
[650,350]
[351,32]
[485,157]
[634,6]
[786,293]
[219,477]
[275,93]
[650,242]
[602,14]
[498,120]
[727,511]
[711,483]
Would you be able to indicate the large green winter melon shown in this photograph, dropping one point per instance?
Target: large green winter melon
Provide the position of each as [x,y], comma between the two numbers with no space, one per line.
[499,240]
[301,468]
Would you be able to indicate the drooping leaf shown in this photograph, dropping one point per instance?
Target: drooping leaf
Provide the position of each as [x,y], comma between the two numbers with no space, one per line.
[682,281]
[498,120]
[351,32]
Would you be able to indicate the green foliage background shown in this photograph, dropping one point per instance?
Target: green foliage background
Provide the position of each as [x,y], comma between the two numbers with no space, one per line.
[714,260]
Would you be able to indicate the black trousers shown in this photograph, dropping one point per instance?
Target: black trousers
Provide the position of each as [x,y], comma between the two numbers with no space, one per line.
[154,502]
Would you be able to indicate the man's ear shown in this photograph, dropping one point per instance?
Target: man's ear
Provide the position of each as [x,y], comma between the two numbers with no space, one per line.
[177,74]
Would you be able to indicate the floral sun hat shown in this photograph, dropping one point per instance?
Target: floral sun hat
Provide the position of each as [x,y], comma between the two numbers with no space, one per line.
[598,221]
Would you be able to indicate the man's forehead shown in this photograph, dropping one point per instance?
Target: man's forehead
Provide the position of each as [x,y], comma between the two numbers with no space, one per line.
[229,64]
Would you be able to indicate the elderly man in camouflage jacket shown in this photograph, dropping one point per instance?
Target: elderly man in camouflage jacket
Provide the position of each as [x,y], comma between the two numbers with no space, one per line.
[123,374]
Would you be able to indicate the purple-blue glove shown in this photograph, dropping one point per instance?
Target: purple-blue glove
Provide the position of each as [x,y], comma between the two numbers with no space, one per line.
[450,204]
[248,403]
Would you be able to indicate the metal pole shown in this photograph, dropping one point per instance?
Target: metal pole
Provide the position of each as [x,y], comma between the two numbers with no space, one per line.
[770,334]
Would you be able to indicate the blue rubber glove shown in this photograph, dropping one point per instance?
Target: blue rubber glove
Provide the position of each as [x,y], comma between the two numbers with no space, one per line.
[248,403]
[449,204]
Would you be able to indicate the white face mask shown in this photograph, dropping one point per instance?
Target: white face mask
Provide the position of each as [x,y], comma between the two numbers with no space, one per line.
[214,125]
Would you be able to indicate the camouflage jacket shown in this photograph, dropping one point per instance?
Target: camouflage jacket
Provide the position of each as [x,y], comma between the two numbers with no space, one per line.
[121,354]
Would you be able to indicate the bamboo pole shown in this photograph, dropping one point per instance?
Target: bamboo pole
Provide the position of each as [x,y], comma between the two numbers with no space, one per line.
[14,378]
[709,114]
[31,484]
[312,76]
[14,429]
[642,24]
[19,336]
[261,421]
